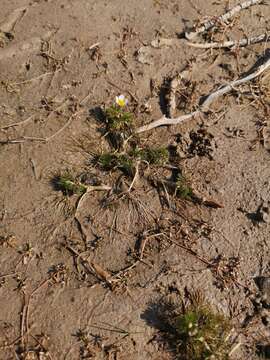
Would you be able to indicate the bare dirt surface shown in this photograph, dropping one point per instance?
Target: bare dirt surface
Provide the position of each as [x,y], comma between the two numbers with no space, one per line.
[61,61]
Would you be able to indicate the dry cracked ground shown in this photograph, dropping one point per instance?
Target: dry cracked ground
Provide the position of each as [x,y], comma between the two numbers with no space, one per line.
[84,280]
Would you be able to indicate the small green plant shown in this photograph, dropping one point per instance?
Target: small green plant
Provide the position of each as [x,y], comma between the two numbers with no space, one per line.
[203,333]
[191,328]
[109,161]
[126,164]
[126,161]
[154,156]
[118,123]
[117,119]
[183,190]
[68,185]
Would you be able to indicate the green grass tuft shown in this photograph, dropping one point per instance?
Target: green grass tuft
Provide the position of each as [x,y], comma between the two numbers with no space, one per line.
[110,161]
[126,161]
[117,119]
[202,333]
[193,329]
[154,156]
[67,184]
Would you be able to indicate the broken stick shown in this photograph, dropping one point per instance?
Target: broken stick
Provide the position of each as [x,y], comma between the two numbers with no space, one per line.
[231,43]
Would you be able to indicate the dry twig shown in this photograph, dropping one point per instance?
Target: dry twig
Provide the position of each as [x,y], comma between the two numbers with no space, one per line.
[89,189]
[135,176]
[208,100]
[23,122]
[221,19]
[231,43]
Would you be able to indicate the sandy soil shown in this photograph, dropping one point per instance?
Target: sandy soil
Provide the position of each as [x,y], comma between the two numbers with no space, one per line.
[60,61]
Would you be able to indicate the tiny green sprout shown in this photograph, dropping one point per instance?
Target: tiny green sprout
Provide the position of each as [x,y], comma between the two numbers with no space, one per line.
[67,184]
[183,190]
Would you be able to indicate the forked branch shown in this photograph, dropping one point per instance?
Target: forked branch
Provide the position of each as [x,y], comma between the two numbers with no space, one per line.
[208,100]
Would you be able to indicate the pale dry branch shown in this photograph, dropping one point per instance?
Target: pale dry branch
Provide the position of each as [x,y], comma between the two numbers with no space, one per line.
[84,197]
[166,121]
[222,18]
[231,43]
[135,176]
[94,46]
[22,139]
[98,188]
[207,101]
[92,188]
[23,122]
[232,85]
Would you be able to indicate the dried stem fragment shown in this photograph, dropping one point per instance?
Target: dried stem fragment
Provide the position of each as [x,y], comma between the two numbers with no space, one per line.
[208,100]
[231,43]
[209,24]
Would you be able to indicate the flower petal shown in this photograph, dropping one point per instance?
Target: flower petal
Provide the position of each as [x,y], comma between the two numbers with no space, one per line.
[121,100]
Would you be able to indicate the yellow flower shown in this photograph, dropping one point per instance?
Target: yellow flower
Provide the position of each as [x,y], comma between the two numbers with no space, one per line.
[121,100]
